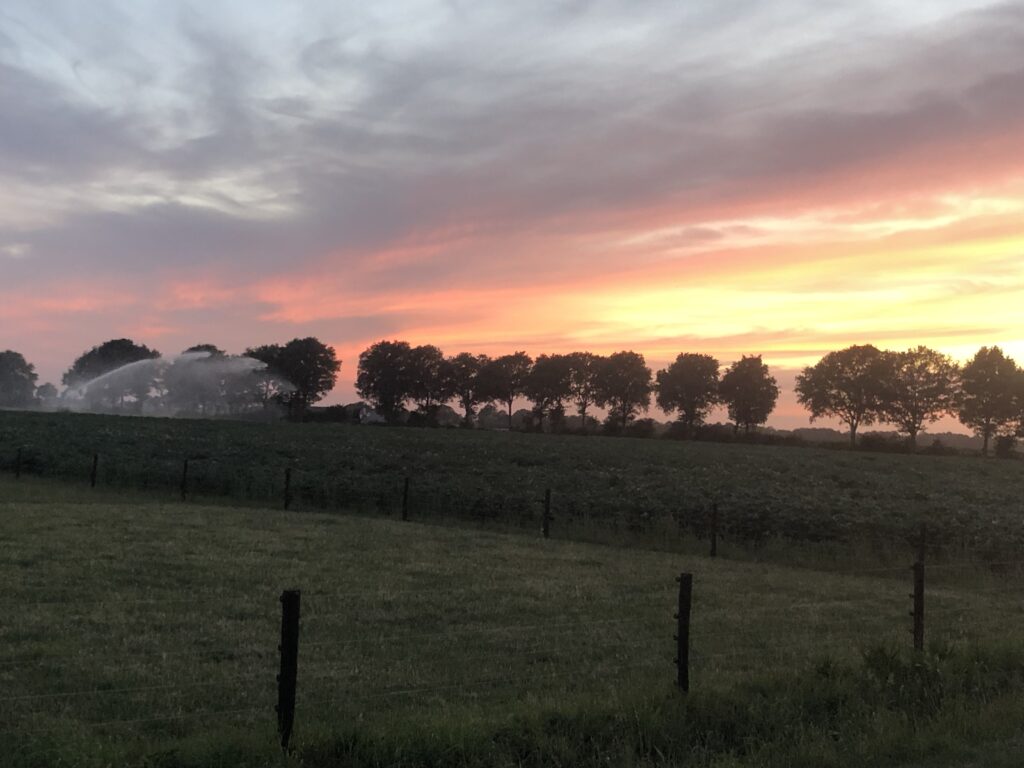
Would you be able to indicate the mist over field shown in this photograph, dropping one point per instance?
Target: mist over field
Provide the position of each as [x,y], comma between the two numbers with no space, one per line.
[191,384]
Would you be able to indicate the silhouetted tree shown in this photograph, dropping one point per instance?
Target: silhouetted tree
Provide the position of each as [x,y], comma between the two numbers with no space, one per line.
[107,357]
[211,349]
[308,365]
[846,384]
[503,378]
[431,381]
[987,402]
[623,385]
[209,384]
[464,370]
[312,368]
[46,394]
[547,386]
[490,417]
[690,386]
[918,386]
[17,381]
[270,383]
[749,391]
[583,368]
[1019,404]
[189,389]
[384,378]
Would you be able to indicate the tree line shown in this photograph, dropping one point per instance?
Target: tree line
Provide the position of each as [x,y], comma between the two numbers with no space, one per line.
[120,375]
[863,385]
[394,374]
[860,385]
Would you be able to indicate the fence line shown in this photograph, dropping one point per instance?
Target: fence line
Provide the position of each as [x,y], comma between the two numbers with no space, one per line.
[520,653]
[466,630]
[691,513]
[784,648]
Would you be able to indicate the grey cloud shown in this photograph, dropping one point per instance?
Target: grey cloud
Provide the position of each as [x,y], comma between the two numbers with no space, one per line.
[449,135]
[48,137]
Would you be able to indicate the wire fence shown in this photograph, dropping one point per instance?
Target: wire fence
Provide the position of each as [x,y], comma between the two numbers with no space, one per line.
[667,516]
[152,659]
[348,668]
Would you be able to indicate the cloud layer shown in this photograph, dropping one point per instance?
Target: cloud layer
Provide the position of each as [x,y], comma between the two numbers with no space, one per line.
[729,177]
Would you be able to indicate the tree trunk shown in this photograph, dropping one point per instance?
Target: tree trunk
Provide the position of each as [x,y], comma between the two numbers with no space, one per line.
[853,434]
[509,415]
[984,447]
[913,441]
[583,419]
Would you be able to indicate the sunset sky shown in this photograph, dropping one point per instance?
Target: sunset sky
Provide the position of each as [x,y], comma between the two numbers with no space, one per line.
[726,176]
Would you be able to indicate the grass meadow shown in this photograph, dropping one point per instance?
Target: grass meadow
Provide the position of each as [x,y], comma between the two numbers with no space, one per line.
[143,631]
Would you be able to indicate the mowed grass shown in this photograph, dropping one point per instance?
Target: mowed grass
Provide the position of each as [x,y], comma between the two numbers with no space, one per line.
[141,632]
[645,491]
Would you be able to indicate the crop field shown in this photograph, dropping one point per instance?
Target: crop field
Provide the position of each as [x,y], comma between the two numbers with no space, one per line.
[144,632]
[603,488]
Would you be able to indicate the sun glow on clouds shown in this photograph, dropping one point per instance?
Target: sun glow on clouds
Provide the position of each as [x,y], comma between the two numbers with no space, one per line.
[543,176]
[790,298]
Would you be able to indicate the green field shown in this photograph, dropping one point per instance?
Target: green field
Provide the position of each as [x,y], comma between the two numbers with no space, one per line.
[647,491]
[144,632]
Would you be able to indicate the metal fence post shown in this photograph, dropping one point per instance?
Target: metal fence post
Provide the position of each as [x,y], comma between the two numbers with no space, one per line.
[405,499]
[918,596]
[288,675]
[184,480]
[714,529]
[683,631]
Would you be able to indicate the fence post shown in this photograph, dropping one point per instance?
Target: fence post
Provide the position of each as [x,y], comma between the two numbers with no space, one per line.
[714,529]
[683,631]
[17,466]
[288,675]
[546,521]
[405,500]
[918,596]
[287,487]
[92,472]
[184,480]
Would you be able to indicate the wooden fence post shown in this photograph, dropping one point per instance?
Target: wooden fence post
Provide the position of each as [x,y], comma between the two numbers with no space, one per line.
[288,675]
[546,521]
[683,631]
[714,529]
[184,480]
[405,499]
[287,487]
[92,472]
[918,596]
[17,466]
